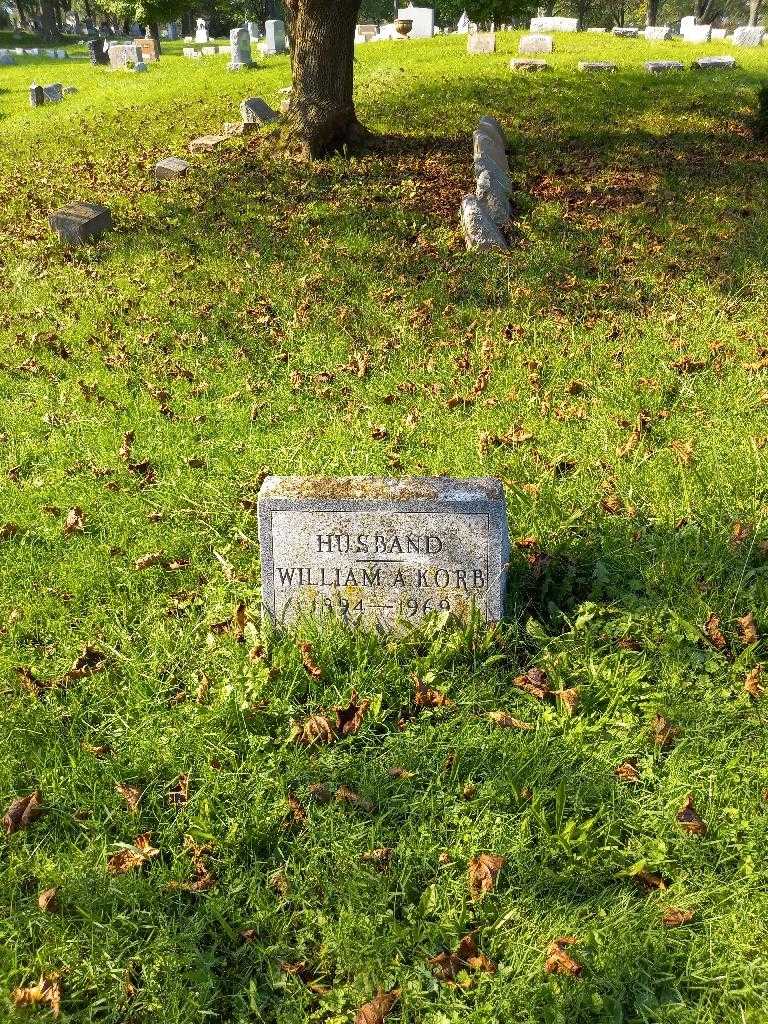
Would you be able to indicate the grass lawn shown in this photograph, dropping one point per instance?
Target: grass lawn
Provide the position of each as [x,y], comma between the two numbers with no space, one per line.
[270,315]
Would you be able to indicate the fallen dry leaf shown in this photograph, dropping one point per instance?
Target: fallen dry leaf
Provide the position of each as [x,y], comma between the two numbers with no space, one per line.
[483,871]
[627,772]
[740,533]
[312,669]
[347,795]
[47,990]
[396,772]
[674,918]
[48,901]
[663,732]
[649,881]
[507,721]
[559,960]
[747,627]
[689,820]
[86,664]
[714,633]
[378,1008]
[148,560]
[424,697]
[131,795]
[8,530]
[535,682]
[132,857]
[569,699]
[298,814]
[75,521]
[753,682]
[350,718]
[23,812]
[380,858]
[238,622]
[315,729]
[178,795]
[466,956]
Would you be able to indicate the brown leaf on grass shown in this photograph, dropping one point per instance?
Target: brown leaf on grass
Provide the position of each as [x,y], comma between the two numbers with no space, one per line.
[101,750]
[569,699]
[34,686]
[445,966]
[483,871]
[131,795]
[132,857]
[627,772]
[315,729]
[753,682]
[127,446]
[350,718]
[424,697]
[48,901]
[675,918]
[202,880]
[178,795]
[148,560]
[23,812]
[380,858]
[559,960]
[238,622]
[46,991]
[689,820]
[298,814]
[506,721]
[535,682]
[740,533]
[8,530]
[747,627]
[75,521]
[663,732]
[714,633]
[319,792]
[396,772]
[312,669]
[347,795]
[649,881]
[86,664]
[203,688]
[375,1011]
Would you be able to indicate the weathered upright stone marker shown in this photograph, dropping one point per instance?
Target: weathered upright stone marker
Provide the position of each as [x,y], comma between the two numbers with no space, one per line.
[240,49]
[380,552]
[79,222]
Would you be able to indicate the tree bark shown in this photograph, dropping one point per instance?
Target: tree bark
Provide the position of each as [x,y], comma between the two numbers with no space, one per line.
[48,29]
[321,114]
[754,11]
[652,12]
[153,31]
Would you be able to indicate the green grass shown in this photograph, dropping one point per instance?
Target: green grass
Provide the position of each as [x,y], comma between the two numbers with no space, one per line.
[223,322]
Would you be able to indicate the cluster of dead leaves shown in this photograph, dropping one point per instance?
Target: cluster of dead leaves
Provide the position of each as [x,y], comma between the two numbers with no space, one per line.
[321,729]
[483,871]
[203,877]
[559,960]
[536,683]
[746,628]
[22,812]
[133,857]
[88,663]
[47,992]
[447,966]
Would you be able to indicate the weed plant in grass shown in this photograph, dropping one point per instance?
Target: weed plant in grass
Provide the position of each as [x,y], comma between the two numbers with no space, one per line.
[264,314]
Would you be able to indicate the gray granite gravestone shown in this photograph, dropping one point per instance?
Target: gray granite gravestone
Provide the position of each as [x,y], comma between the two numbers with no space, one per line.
[275,32]
[382,553]
[748,35]
[53,93]
[240,49]
[123,56]
[79,222]
[658,67]
[521,64]
[255,111]
[171,167]
[478,226]
[714,63]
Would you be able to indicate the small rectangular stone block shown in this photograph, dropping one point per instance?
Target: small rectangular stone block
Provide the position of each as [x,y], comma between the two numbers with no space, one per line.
[597,31]
[171,167]
[536,44]
[519,64]
[208,51]
[481,42]
[79,222]
[748,35]
[657,33]
[622,32]
[596,65]
[718,33]
[206,143]
[53,93]
[554,24]
[696,33]
[658,67]
[382,553]
[714,63]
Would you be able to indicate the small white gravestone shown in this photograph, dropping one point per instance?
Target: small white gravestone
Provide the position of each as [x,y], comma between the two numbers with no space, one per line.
[528,64]
[657,33]
[625,32]
[536,44]
[714,63]
[275,41]
[240,49]
[124,55]
[201,32]
[190,51]
[554,25]
[423,19]
[658,67]
[697,33]
[718,33]
[748,35]
[208,51]
[462,28]
[481,42]
[382,553]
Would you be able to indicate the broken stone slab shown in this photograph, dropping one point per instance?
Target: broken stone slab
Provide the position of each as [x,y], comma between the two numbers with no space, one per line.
[657,33]
[232,128]
[498,173]
[495,200]
[492,127]
[53,93]
[488,145]
[714,63]
[479,228]
[625,32]
[69,90]
[206,143]
[596,65]
[658,67]
[536,44]
[36,95]
[255,111]
[519,64]
[171,167]
[382,553]
[748,35]
[80,222]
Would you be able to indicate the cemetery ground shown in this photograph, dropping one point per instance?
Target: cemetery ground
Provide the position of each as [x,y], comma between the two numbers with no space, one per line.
[198,857]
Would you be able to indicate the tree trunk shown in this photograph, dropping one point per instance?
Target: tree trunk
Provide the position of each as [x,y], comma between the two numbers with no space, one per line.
[48,29]
[652,12]
[322,111]
[153,31]
[754,11]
